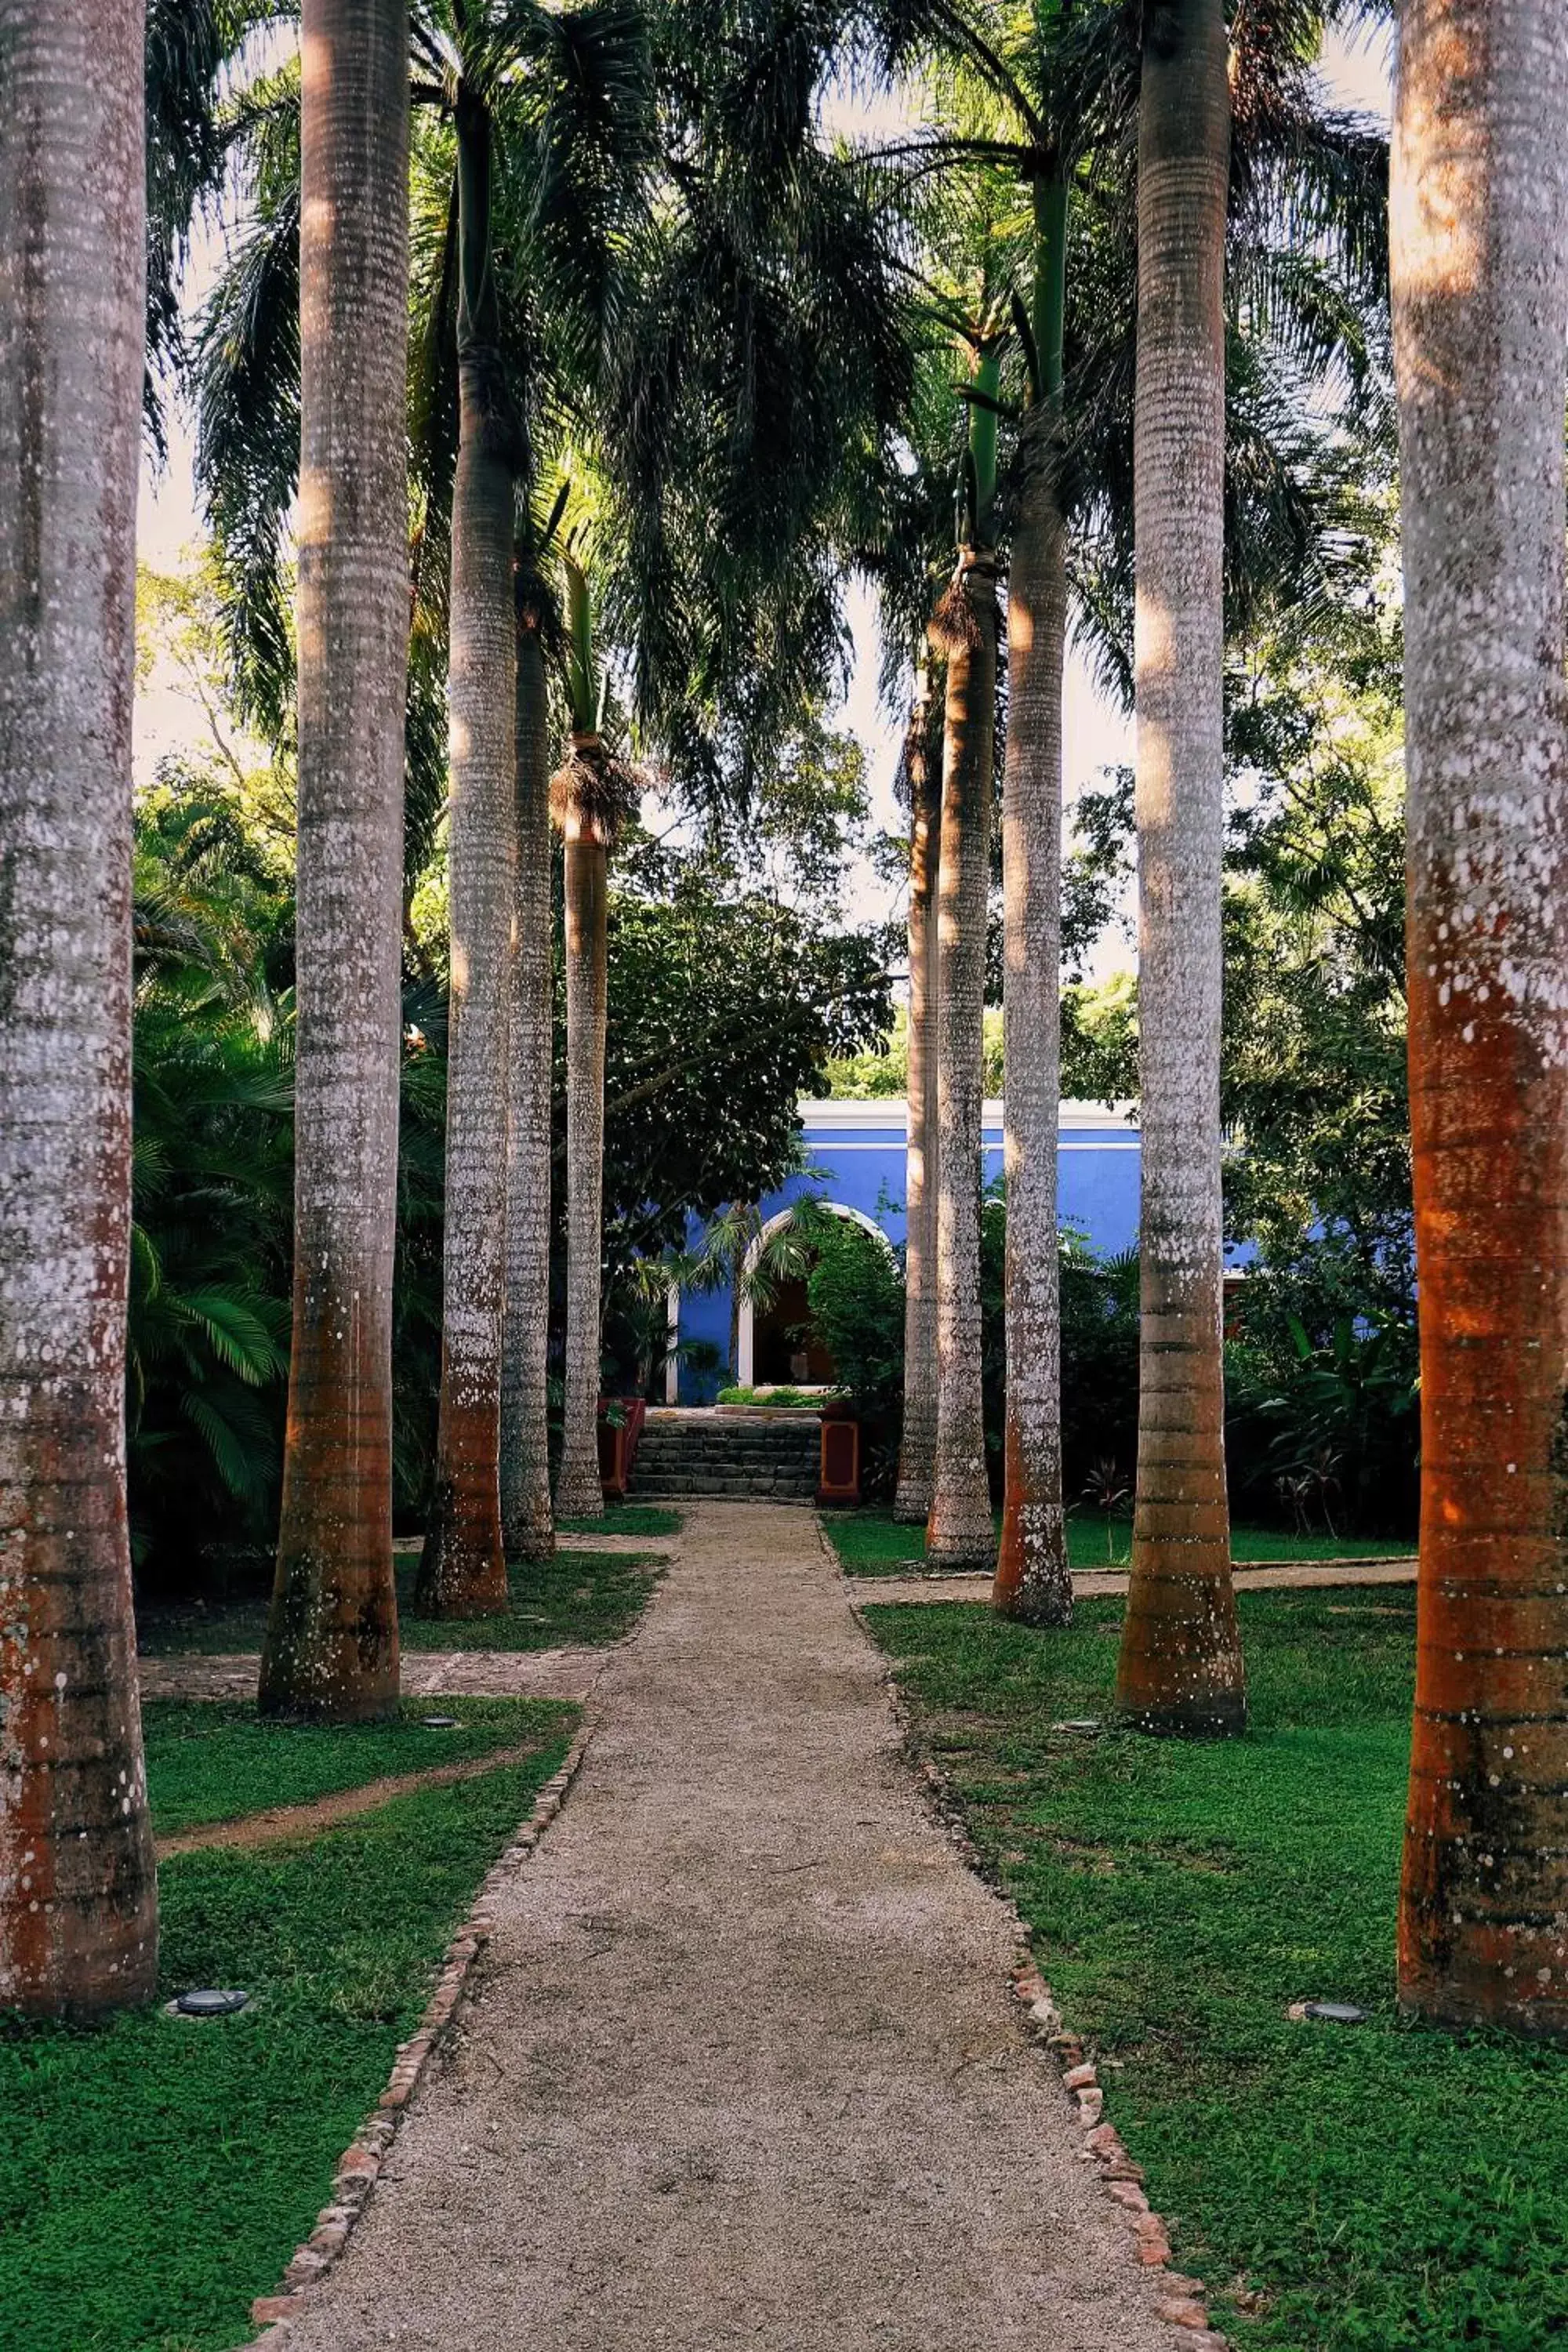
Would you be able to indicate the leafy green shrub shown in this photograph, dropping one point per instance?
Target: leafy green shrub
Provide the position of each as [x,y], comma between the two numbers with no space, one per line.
[207,1334]
[856,1291]
[781,1399]
[1323,1385]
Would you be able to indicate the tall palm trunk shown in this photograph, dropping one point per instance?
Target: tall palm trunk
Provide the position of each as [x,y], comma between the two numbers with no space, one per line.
[331,1637]
[959,1531]
[1033,1580]
[917,1450]
[1179,1667]
[78,1900]
[1480,296]
[579,1492]
[526,1522]
[462,1573]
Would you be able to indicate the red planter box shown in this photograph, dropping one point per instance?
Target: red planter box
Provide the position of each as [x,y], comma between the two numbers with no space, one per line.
[838,1470]
[618,1442]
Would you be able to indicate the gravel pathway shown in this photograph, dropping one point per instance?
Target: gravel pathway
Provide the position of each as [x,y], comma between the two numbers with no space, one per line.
[427,1673]
[741,2065]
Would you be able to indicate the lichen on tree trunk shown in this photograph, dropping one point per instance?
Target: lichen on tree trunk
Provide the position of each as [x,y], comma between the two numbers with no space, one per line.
[78,1899]
[462,1571]
[332,1638]
[917,1450]
[579,1492]
[1033,1580]
[1481,295]
[959,1531]
[526,1522]
[1180,1668]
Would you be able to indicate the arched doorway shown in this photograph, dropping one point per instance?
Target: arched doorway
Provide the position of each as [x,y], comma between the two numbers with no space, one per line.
[762,1339]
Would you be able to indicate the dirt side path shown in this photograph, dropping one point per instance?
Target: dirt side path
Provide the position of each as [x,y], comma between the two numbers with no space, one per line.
[742,2066]
[1107,1584]
[427,1673]
[277,1822]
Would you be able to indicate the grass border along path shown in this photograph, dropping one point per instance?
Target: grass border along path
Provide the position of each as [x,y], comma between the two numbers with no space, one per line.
[651,1519]
[870,1542]
[156,2174]
[1373,2188]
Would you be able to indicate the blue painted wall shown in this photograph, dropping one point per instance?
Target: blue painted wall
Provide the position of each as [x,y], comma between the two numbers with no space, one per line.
[855,1155]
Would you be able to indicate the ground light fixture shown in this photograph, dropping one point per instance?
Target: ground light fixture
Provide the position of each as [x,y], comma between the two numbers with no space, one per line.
[208,2000]
[1334,2012]
[439,1722]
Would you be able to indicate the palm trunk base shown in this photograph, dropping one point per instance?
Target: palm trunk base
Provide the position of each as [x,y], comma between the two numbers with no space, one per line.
[917,1459]
[462,1569]
[326,1660]
[579,1492]
[1179,1671]
[1034,1581]
[534,1540]
[960,1533]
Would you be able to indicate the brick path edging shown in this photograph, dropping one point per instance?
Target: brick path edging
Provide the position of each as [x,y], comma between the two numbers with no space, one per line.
[362,2160]
[1181,2303]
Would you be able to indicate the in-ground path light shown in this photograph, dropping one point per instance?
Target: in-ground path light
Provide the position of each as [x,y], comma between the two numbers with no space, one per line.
[208,2000]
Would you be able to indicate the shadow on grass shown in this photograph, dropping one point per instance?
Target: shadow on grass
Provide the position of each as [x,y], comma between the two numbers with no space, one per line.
[1372,2186]
[156,2174]
[870,1543]
[577,1597]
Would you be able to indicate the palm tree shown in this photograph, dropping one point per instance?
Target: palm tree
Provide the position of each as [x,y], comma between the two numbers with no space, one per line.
[589,794]
[547,110]
[462,1570]
[1033,1580]
[77,1898]
[959,1531]
[917,1450]
[332,1636]
[1047,95]
[1180,1666]
[527,1526]
[1480,306]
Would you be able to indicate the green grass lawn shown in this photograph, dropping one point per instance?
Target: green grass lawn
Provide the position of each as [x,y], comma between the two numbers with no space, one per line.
[870,1544]
[1381,2188]
[155,2173]
[577,1596]
[212,1762]
[628,1519]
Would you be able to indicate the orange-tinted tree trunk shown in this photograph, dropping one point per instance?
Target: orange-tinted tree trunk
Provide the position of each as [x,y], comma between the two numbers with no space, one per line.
[1480,288]
[78,1901]
[917,1450]
[1180,1668]
[331,1637]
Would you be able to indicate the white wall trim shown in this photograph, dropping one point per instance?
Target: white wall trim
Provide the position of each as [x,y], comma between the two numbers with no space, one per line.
[828,1116]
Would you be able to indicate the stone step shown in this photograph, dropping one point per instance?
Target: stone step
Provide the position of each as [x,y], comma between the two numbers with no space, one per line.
[686,1452]
[717,1482]
[740,1482]
[681,1460]
[753,1459]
